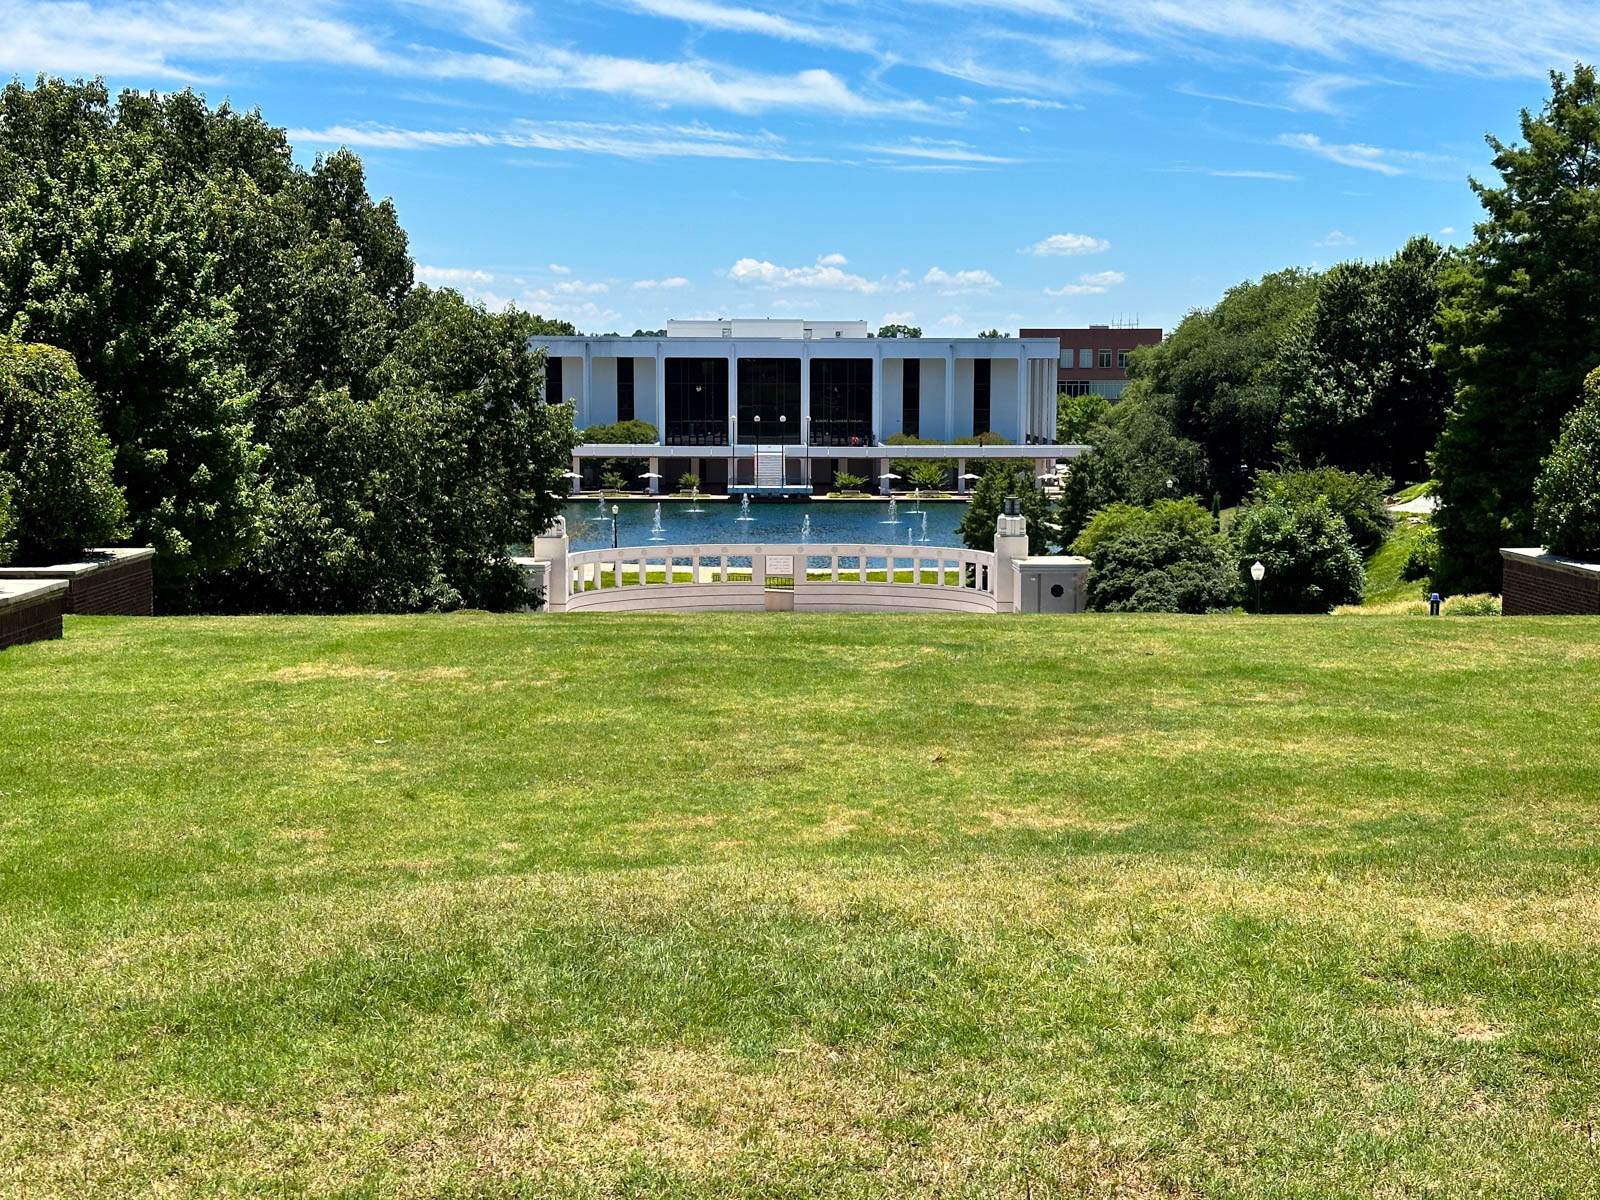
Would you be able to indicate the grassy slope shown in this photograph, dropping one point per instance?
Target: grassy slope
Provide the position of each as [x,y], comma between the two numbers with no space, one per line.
[1384,585]
[793,906]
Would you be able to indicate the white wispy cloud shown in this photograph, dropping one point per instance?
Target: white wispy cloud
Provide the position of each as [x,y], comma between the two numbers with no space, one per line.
[450,276]
[1093,284]
[1368,158]
[939,151]
[735,19]
[959,282]
[1058,244]
[1228,172]
[639,141]
[558,269]
[824,275]
[1317,93]
[675,281]
[1335,238]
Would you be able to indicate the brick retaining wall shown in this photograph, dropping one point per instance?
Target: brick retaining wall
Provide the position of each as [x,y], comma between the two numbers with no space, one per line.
[30,611]
[1538,584]
[106,583]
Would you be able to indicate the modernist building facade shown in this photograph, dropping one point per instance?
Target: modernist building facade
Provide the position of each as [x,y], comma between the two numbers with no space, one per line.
[783,404]
[1094,360]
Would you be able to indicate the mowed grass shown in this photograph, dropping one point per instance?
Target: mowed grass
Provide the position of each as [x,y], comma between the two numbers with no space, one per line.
[801,905]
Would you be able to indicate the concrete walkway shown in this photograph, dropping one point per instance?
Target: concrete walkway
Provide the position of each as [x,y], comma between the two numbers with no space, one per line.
[1422,506]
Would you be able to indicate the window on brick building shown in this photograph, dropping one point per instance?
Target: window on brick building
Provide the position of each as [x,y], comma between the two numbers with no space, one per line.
[1106,359]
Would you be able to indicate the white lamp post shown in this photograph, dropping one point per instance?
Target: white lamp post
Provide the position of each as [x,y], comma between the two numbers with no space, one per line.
[1258,573]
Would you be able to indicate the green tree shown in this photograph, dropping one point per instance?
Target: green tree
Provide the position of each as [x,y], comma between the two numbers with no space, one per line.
[57,462]
[1004,479]
[1567,492]
[1521,330]
[993,333]
[1311,563]
[1137,459]
[1357,500]
[1363,390]
[1077,416]
[1223,370]
[8,520]
[900,331]
[930,476]
[105,252]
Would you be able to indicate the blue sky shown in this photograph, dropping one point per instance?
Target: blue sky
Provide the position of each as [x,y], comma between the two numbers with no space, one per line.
[955,164]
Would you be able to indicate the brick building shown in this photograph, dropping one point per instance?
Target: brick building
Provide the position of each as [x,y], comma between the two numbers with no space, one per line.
[1095,359]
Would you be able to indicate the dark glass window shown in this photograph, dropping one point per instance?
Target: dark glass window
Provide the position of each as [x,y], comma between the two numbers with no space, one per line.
[552,379]
[769,388]
[841,402]
[695,396]
[624,389]
[1105,360]
[980,396]
[911,398]
[1073,387]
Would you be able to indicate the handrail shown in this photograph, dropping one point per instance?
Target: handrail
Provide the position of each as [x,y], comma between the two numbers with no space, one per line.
[706,563]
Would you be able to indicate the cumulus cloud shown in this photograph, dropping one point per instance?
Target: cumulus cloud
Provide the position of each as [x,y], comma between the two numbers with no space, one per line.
[1068,243]
[1092,284]
[953,284]
[825,275]
[450,276]
[675,281]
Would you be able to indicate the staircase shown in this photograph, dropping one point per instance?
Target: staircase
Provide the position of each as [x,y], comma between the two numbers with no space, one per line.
[769,467]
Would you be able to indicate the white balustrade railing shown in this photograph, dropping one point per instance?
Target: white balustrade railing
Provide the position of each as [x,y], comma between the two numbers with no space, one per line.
[589,572]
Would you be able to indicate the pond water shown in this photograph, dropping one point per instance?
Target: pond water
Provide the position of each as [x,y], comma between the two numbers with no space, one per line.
[928,523]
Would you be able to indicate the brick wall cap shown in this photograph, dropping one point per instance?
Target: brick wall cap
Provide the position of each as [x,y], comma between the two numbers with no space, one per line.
[97,559]
[1537,554]
[19,593]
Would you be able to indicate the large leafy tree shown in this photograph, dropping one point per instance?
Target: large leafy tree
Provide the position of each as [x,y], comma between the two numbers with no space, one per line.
[1567,492]
[1001,479]
[104,253]
[1362,388]
[1223,369]
[1311,563]
[1521,329]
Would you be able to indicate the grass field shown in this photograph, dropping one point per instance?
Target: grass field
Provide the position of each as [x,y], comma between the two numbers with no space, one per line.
[793,906]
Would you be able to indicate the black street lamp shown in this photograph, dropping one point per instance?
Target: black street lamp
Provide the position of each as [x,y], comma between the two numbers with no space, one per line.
[613,526]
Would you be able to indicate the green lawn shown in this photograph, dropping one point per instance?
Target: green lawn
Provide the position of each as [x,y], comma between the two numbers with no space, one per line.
[1384,584]
[793,905]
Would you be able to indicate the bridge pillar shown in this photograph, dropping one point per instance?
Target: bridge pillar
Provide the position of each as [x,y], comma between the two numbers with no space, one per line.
[1010,542]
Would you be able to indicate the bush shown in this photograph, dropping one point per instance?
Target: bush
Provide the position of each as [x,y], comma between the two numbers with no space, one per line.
[1312,564]
[688,482]
[51,445]
[1355,499]
[1476,604]
[623,433]
[1165,558]
[1423,556]
[931,476]
[1566,506]
[846,482]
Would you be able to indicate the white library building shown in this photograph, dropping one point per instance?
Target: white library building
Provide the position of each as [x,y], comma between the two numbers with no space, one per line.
[781,406]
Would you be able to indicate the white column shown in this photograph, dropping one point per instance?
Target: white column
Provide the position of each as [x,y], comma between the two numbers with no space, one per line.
[586,402]
[733,398]
[655,469]
[877,393]
[1024,393]
[961,471]
[661,394]
[950,394]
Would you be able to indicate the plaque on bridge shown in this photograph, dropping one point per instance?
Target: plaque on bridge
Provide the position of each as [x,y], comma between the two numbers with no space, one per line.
[780,564]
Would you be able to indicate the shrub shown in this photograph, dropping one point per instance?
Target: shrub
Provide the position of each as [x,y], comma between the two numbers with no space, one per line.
[1566,510]
[1312,564]
[846,482]
[1356,499]
[611,481]
[1475,604]
[622,433]
[1164,558]
[1422,557]
[51,445]
[930,476]
[688,482]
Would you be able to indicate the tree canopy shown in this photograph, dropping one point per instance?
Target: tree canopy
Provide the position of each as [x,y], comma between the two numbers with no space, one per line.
[1520,331]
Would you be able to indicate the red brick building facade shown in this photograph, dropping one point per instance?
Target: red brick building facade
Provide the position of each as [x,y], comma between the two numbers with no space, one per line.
[1095,359]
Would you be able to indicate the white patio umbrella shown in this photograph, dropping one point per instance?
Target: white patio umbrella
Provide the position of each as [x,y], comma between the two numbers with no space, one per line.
[969,475]
[888,475]
[571,475]
[652,475]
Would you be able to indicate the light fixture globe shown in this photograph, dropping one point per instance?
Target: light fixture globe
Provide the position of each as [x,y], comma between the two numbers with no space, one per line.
[1257,571]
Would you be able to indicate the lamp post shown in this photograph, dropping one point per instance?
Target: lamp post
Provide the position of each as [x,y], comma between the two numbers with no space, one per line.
[613,526]
[783,420]
[1258,573]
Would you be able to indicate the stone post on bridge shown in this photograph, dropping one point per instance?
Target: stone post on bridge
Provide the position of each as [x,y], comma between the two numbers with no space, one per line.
[1010,542]
[546,568]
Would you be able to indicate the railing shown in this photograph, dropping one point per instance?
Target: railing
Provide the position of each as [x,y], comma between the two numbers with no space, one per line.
[696,433]
[824,577]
